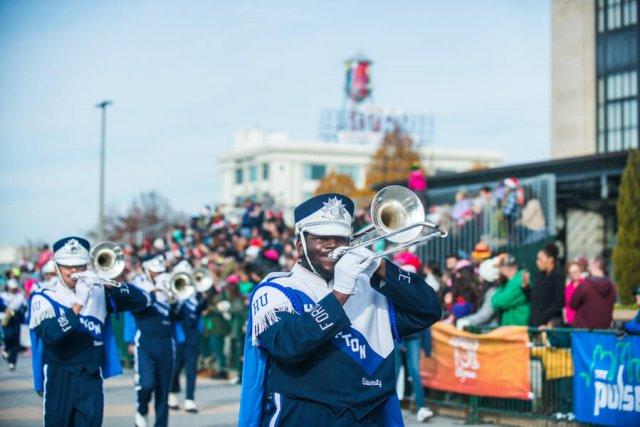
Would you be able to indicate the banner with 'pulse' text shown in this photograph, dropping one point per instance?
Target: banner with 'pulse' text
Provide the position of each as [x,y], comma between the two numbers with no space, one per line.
[606,381]
[495,364]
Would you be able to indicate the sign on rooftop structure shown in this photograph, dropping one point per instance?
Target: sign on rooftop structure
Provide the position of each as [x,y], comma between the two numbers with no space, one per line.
[364,122]
[357,85]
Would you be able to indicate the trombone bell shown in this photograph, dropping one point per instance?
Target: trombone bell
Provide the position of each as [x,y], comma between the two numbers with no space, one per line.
[203,279]
[394,208]
[399,217]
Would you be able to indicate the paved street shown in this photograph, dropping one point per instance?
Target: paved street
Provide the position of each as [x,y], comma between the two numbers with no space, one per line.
[218,401]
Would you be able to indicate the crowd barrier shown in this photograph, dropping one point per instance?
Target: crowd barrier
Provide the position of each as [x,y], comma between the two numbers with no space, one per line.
[501,234]
[558,374]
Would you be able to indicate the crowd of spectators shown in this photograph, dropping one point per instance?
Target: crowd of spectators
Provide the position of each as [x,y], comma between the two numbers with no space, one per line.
[509,211]
[498,291]
[484,290]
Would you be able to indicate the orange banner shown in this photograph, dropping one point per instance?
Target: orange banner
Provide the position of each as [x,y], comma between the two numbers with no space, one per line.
[495,364]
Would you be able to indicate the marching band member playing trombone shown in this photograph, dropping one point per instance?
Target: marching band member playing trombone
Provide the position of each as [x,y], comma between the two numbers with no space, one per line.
[72,342]
[320,338]
[149,333]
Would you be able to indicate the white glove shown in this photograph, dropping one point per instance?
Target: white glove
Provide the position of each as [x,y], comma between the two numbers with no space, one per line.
[462,323]
[163,281]
[348,268]
[224,306]
[373,265]
[82,293]
[87,277]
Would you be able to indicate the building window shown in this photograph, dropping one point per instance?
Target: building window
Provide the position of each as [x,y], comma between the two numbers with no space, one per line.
[265,172]
[253,173]
[629,12]
[314,172]
[618,112]
[352,170]
[239,176]
[616,14]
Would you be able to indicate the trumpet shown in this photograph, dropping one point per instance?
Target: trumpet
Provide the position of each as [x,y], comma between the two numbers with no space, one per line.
[398,216]
[107,261]
[181,285]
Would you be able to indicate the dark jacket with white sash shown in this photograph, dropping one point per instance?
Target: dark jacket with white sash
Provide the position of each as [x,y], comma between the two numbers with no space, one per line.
[312,348]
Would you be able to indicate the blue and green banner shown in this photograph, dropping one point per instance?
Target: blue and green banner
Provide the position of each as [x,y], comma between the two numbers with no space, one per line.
[606,379]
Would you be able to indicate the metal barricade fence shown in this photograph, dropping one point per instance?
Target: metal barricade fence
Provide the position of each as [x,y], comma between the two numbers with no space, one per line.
[490,225]
[551,370]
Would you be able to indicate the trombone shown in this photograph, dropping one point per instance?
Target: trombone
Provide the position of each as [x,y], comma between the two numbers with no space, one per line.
[107,261]
[398,216]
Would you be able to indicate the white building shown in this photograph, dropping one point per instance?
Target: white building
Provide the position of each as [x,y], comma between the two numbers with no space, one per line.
[290,170]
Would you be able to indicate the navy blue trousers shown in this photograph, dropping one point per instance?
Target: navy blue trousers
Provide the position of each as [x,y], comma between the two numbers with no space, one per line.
[154,371]
[187,357]
[12,342]
[283,411]
[72,399]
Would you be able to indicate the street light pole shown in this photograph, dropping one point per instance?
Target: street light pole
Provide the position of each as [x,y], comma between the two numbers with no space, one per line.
[103,106]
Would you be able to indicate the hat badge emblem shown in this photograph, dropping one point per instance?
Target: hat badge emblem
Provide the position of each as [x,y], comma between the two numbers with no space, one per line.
[72,246]
[334,209]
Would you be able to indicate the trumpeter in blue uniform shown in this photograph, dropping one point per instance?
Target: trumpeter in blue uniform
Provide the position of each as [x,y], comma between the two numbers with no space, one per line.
[13,304]
[187,351]
[320,338]
[150,333]
[72,342]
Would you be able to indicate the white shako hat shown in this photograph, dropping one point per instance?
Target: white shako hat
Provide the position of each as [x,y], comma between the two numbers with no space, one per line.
[183,267]
[71,251]
[49,267]
[154,263]
[325,215]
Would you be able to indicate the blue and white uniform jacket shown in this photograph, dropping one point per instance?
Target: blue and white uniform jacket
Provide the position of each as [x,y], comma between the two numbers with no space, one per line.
[191,324]
[79,342]
[155,323]
[303,344]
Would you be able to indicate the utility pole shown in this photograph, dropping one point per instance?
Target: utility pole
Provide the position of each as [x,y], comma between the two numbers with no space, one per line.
[103,106]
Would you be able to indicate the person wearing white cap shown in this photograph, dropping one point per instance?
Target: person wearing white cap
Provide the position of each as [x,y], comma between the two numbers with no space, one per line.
[49,275]
[72,340]
[320,338]
[14,302]
[486,314]
[150,336]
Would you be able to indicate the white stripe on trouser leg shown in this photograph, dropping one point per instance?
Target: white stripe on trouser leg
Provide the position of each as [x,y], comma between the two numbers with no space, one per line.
[136,375]
[102,381]
[44,393]
[278,403]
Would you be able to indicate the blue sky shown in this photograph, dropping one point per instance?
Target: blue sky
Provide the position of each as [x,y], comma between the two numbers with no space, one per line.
[185,77]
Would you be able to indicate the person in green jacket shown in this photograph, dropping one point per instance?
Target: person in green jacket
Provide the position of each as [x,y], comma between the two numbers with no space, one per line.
[510,299]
